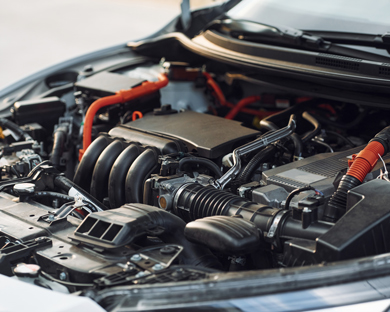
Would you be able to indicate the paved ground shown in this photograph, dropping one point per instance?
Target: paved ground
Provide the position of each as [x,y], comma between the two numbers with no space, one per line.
[38,33]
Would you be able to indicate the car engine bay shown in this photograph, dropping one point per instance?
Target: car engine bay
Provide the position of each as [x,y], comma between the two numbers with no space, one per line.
[170,171]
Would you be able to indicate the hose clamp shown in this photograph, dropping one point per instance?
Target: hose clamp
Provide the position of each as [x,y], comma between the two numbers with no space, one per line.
[275,223]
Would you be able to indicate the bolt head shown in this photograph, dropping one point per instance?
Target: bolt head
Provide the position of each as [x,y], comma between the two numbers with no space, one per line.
[136,258]
[158,267]
[140,274]
[63,276]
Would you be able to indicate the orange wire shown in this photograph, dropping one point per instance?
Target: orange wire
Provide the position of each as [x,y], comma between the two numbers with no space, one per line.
[122,96]
[137,115]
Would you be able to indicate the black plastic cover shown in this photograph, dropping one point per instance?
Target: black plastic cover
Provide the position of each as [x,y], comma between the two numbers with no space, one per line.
[113,228]
[106,83]
[209,135]
[44,111]
[225,234]
[363,231]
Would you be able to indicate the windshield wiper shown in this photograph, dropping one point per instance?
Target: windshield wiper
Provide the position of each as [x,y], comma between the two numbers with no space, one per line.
[326,42]
[365,40]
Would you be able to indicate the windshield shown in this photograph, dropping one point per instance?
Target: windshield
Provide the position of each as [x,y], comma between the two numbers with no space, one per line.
[359,16]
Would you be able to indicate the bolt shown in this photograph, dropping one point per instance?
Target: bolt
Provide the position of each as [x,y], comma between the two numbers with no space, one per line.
[136,258]
[41,239]
[158,267]
[129,267]
[88,68]
[167,250]
[51,217]
[63,276]
[140,274]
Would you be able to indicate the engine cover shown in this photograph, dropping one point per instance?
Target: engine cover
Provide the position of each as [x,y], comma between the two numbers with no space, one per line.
[208,135]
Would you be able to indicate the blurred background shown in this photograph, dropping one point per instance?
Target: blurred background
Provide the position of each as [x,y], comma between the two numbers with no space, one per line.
[35,34]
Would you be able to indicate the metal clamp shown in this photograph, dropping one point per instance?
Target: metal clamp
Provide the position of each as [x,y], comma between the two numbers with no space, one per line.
[251,147]
[275,223]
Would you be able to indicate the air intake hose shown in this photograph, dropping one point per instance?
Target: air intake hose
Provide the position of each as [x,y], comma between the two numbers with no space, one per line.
[193,201]
[363,163]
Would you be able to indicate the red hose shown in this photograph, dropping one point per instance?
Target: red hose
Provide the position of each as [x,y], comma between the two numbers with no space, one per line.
[217,90]
[121,96]
[240,105]
[366,160]
[222,100]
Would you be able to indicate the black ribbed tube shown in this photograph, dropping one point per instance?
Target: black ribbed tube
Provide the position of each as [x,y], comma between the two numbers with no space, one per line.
[338,202]
[194,201]
[53,195]
[254,163]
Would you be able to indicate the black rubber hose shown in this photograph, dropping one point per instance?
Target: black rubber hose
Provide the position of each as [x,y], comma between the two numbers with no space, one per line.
[298,145]
[338,202]
[83,175]
[201,161]
[315,131]
[117,178]
[53,195]
[15,128]
[173,226]
[295,192]
[346,140]
[139,171]
[59,139]
[344,126]
[65,185]
[101,172]
[254,163]
[268,125]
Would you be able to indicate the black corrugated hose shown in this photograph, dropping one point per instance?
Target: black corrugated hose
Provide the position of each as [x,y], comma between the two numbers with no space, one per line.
[254,163]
